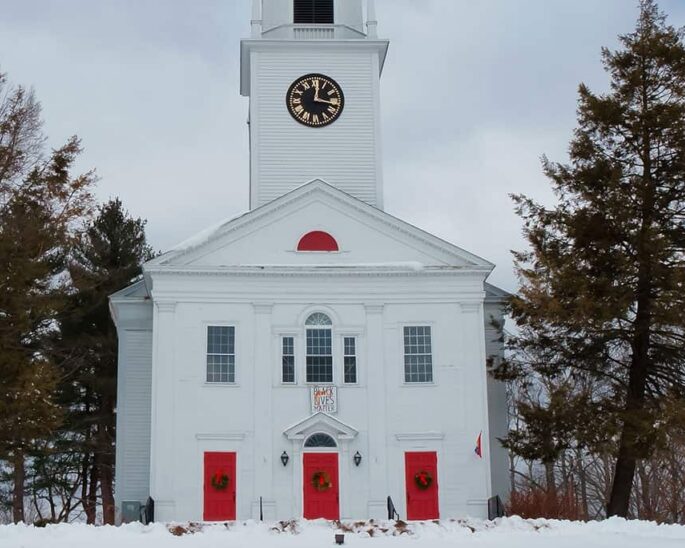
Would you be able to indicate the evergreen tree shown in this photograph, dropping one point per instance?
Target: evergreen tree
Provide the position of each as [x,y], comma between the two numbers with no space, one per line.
[40,205]
[107,257]
[603,285]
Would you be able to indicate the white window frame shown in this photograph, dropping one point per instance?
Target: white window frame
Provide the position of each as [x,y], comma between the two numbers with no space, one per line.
[282,355]
[206,353]
[305,352]
[431,327]
[356,338]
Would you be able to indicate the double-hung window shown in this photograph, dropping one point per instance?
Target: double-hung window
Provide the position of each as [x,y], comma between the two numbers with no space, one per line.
[350,360]
[221,353]
[288,360]
[418,359]
[319,366]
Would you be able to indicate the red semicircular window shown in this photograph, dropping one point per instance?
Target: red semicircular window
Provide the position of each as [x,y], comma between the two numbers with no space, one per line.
[317,241]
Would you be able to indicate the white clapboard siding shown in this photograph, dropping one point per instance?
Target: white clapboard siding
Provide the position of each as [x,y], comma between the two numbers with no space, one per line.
[497,402]
[288,154]
[133,416]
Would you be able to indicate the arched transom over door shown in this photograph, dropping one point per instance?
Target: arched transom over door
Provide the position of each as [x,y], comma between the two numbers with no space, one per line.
[320,440]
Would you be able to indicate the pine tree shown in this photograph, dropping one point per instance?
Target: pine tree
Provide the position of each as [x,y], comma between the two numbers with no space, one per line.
[40,204]
[107,257]
[603,285]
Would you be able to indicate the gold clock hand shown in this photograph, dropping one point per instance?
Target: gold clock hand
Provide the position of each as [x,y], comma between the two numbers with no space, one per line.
[325,101]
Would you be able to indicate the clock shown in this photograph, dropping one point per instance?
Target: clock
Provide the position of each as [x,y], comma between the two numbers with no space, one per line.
[315,100]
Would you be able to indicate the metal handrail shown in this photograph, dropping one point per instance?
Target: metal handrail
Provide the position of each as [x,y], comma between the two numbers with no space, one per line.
[392,512]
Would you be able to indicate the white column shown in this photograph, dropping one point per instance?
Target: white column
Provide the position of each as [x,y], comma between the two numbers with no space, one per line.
[264,458]
[477,410]
[376,405]
[296,461]
[162,458]
[256,22]
[371,22]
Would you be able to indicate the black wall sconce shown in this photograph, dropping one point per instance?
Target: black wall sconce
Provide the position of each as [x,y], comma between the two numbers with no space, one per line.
[357,458]
[285,458]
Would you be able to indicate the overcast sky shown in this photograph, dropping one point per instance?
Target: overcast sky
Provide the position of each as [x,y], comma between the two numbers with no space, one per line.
[473,93]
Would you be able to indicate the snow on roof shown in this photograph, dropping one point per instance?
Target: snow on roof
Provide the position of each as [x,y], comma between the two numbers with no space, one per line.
[203,236]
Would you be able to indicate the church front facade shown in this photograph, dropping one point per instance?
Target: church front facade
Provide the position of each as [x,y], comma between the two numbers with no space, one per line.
[316,355]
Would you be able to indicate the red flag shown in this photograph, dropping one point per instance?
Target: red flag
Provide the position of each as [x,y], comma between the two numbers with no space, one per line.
[479,445]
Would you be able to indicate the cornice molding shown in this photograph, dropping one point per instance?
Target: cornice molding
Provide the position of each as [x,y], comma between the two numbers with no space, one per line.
[324,272]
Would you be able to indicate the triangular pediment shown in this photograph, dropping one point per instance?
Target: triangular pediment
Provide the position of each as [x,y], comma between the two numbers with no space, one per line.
[268,236]
[320,422]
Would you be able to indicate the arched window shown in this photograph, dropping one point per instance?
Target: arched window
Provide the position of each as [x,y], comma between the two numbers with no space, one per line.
[319,348]
[313,11]
[318,318]
[320,440]
[317,241]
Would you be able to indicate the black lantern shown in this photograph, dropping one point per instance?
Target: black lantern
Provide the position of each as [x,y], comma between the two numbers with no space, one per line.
[285,458]
[357,458]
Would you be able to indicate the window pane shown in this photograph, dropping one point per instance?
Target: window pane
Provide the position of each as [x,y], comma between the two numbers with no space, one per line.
[320,440]
[350,369]
[220,339]
[319,369]
[288,361]
[318,319]
[220,353]
[319,342]
[418,361]
[350,360]
[349,343]
[319,348]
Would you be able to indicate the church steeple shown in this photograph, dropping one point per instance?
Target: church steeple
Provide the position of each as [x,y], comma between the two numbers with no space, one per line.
[311,69]
[282,19]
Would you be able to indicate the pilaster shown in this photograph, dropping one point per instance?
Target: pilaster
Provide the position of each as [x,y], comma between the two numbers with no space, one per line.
[377,409]
[162,452]
[264,459]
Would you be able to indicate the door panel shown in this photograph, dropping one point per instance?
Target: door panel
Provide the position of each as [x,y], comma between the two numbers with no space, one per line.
[219,504]
[321,504]
[421,503]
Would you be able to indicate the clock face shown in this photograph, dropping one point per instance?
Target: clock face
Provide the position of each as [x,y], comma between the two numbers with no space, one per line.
[315,100]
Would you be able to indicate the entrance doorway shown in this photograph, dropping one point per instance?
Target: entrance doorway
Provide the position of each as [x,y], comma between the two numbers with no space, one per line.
[321,487]
[219,486]
[421,480]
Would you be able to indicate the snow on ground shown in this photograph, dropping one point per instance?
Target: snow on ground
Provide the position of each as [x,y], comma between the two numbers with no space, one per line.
[511,532]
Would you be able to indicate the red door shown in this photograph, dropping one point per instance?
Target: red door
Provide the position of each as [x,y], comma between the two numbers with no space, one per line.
[219,486]
[421,477]
[321,486]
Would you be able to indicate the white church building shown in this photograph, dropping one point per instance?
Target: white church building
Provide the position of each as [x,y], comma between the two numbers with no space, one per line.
[316,355]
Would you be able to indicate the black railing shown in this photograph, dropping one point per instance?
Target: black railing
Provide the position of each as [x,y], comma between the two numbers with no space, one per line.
[495,508]
[147,512]
[392,512]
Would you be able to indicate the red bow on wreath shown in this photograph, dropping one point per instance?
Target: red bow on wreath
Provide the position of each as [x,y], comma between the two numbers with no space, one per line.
[321,481]
[423,479]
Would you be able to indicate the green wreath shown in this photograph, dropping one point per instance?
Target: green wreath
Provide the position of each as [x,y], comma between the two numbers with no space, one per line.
[321,481]
[423,479]
[220,481]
